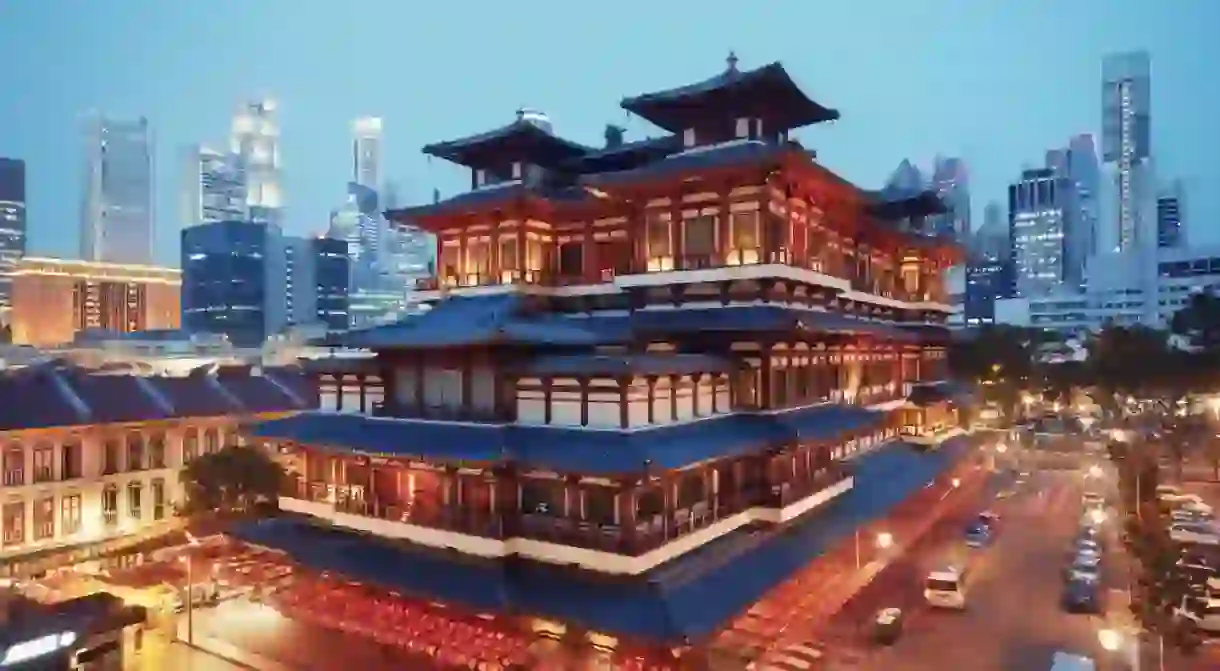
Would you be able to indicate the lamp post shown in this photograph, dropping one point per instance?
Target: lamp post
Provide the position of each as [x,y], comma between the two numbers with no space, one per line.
[884,541]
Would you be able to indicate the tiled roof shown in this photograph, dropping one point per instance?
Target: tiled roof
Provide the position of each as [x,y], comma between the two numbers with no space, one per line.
[52,396]
[471,320]
[935,392]
[767,92]
[689,597]
[568,449]
[761,318]
[521,136]
[117,398]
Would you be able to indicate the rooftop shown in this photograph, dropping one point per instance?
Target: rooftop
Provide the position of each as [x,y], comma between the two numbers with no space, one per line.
[53,394]
[688,598]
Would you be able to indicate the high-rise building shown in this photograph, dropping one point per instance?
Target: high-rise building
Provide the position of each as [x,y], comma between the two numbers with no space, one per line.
[117,209]
[318,279]
[1126,139]
[12,227]
[989,267]
[905,179]
[226,268]
[1077,163]
[360,223]
[1169,231]
[1037,209]
[214,188]
[55,299]
[255,143]
[951,181]
[366,152]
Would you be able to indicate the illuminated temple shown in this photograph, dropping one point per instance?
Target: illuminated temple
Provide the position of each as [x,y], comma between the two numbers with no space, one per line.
[656,378]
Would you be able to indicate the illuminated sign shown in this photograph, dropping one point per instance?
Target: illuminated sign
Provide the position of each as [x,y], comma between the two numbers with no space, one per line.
[37,648]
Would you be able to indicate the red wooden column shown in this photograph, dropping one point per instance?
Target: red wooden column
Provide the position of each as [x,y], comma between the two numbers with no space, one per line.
[589,262]
[724,227]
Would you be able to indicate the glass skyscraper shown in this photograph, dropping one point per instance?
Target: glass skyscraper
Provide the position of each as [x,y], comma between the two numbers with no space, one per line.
[117,208]
[1038,207]
[1126,145]
[225,275]
[366,152]
[255,142]
[12,227]
[214,188]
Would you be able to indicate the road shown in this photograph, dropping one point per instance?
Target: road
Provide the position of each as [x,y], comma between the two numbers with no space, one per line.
[1014,622]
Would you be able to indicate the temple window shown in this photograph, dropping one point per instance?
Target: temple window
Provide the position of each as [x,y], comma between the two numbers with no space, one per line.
[449,263]
[699,241]
[659,239]
[691,489]
[540,497]
[533,254]
[649,503]
[743,246]
[571,259]
[599,505]
[777,240]
[476,263]
[508,258]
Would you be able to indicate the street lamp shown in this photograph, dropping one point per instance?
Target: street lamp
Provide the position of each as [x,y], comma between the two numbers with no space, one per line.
[885,540]
[1094,471]
[1109,639]
[955,483]
[1001,448]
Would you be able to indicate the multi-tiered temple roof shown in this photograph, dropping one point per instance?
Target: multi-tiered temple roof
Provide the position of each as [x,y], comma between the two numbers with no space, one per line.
[649,370]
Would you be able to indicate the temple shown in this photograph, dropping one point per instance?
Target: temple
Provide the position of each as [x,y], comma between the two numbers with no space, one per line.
[649,368]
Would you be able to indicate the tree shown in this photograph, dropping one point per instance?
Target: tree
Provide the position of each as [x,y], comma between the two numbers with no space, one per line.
[1199,321]
[1000,360]
[1159,587]
[234,479]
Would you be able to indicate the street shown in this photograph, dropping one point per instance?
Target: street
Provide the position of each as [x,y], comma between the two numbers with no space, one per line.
[1013,621]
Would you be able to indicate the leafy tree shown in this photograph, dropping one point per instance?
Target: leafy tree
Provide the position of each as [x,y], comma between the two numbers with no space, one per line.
[1160,586]
[234,479]
[1000,360]
[1199,321]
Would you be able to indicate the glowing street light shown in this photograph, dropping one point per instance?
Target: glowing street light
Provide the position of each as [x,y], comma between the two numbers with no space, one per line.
[955,482]
[885,540]
[1097,517]
[1001,448]
[1094,471]
[1109,639]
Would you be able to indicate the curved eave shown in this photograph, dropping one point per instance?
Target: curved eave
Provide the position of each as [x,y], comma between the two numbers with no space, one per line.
[691,166]
[767,92]
[495,146]
[436,216]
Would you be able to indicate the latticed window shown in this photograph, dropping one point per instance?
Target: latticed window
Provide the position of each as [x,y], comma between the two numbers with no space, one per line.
[659,237]
[14,465]
[44,462]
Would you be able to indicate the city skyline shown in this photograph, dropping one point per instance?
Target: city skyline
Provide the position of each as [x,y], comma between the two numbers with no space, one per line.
[1009,92]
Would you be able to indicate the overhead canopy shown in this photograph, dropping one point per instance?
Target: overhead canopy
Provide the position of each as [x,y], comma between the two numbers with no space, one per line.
[767,93]
[522,140]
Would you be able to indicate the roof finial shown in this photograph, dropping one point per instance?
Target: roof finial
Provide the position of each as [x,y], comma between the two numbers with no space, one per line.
[732,61]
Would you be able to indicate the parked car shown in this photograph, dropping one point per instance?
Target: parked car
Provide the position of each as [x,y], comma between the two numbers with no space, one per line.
[1082,596]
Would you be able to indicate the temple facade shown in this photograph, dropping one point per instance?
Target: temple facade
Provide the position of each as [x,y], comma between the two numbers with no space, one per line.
[635,350]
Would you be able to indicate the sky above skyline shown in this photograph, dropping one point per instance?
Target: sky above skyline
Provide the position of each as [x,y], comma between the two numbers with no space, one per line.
[994,83]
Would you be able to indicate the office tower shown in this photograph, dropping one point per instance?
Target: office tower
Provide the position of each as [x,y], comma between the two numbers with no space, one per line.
[1169,206]
[330,281]
[12,227]
[366,152]
[226,269]
[255,143]
[989,267]
[951,181]
[1077,163]
[1037,205]
[117,209]
[362,226]
[1126,119]
[214,188]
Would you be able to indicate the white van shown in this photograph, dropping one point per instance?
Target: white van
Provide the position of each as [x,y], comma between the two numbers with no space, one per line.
[945,589]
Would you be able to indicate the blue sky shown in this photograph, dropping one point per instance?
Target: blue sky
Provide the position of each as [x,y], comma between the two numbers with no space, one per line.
[994,82]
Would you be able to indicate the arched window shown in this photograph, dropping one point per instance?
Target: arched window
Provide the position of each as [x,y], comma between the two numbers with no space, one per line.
[190,445]
[135,452]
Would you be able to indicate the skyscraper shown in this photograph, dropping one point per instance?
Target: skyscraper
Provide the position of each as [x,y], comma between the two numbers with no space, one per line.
[1126,138]
[255,142]
[1169,232]
[1037,205]
[366,152]
[1077,163]
[12,227]
[989,268]
[214,188]
[951,181]
[117,209]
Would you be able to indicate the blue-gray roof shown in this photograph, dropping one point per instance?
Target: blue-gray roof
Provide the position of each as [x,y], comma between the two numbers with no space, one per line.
[695,160]
[569,449]
[891,203]
[520,140]
[470,320]
[627,155]
[688,598]
[627,364]
[928,393]
[767,92]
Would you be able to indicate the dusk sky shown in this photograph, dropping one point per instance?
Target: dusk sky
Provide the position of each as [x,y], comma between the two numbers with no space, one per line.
[996,83]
